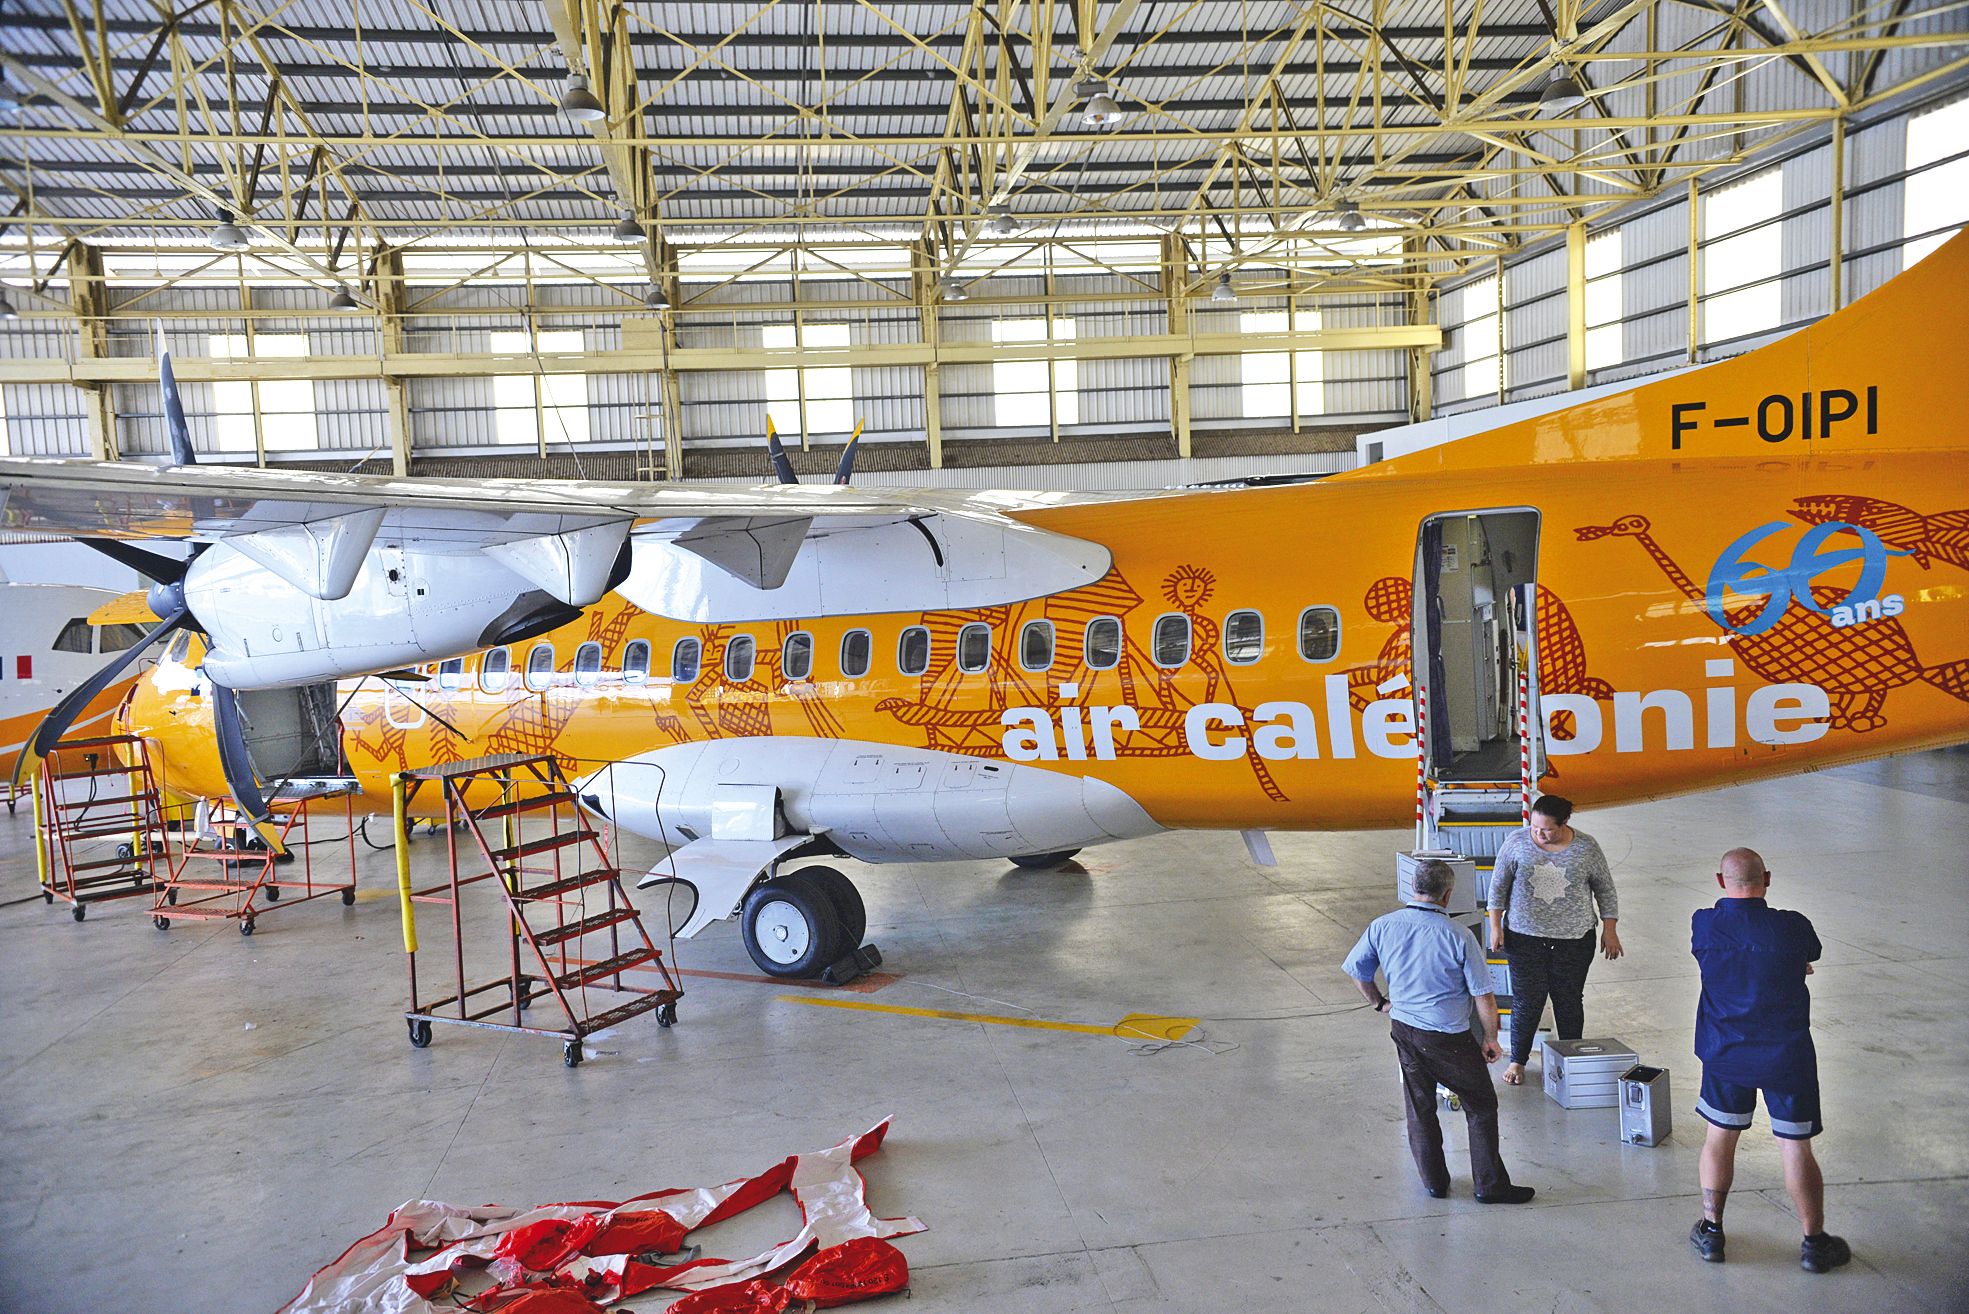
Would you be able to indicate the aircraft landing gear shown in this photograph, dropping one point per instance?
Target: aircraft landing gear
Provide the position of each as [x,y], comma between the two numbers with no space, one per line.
[1044,861]
[791,928]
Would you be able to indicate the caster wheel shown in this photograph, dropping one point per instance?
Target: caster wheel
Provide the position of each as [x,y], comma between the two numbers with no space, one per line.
[272,892]
[420,1033]
[161,922]
[80,911]
[666,1015]
[246,926]
[47,896]
[348,897]
[170,896]
[126,851]
[571,1053]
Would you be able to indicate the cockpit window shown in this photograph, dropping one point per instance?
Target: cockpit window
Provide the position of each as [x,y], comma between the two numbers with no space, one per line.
[74,636]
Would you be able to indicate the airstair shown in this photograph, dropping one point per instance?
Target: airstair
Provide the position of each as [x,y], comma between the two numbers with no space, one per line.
[562,929]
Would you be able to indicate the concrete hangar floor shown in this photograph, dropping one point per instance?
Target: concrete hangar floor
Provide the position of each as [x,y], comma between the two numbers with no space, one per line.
[193,1120]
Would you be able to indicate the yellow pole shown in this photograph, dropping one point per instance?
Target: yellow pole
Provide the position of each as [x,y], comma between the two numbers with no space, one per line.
[400,812]
[40,827]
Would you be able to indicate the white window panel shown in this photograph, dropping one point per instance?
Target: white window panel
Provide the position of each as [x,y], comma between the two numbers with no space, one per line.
[1603,300]
[1936,197]
[563,398]
[1740,288]
[1483,339]
[830,391]
[782,386]
[1020,387]
[287,407]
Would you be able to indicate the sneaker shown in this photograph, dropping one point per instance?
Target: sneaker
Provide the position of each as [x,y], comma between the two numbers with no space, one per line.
[1509,1195]
[1707,1238]
[1823,1253]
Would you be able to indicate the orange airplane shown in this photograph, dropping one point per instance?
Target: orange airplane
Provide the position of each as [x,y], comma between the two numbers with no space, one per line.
[1756,568]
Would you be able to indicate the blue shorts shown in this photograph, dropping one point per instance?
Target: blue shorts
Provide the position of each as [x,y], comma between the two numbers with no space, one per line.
[1793,1104]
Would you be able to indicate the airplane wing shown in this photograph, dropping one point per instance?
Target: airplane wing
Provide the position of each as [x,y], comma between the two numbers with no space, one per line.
[507,556]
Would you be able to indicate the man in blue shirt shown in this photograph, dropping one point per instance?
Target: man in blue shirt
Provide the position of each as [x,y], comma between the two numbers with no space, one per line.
[1754,1032]
[1434,969]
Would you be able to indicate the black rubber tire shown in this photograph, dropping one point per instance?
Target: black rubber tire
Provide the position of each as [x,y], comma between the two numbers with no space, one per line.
[47,896]
[571,1053]
[162,922]
[80,911]
[666,1015]
[1044,861]
[420,1032]
[272,892]
[170,896]
[847,902]
[349,897]
[827,942]
[126,851]
[246,926]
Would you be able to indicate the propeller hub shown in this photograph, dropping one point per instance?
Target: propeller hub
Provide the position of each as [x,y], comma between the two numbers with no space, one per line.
[167,600]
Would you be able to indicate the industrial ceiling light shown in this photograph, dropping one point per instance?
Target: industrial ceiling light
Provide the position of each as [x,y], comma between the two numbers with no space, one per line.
[628,230]
[952,288]
[229,236]
[656,298]
[7,310]
[1561,93]
[343,299]
[579,103]
[1002,223]
[1351,218]
[1102,109]
[1223,294]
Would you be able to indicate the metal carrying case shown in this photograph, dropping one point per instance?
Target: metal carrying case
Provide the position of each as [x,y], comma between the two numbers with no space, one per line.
[1462,899]
[1585,1074]
[1644,1105]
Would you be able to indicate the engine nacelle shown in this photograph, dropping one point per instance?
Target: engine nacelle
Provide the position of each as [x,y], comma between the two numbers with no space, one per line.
[405,607]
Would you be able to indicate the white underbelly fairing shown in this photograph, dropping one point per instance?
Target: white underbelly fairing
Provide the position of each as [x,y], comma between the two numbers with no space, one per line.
[876,802]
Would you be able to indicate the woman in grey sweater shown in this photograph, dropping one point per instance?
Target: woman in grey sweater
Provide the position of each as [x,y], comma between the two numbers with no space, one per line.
[1549,882]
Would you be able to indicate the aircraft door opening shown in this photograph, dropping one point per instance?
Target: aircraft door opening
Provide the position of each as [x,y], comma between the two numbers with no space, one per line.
[1475,611]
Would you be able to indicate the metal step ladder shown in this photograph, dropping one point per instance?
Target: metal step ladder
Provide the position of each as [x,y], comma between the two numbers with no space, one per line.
[228,868]
[513,821]
[87,793]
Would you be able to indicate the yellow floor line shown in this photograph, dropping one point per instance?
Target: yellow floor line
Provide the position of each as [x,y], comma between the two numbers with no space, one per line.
[1136,1026]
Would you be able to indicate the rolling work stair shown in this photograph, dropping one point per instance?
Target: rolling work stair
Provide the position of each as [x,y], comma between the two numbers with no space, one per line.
[88,792]
[565,927]
[229,868]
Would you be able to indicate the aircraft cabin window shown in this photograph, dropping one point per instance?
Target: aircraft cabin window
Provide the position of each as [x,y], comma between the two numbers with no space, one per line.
[1036,645]
[684,660]
[740,651]
[913,651]
[1244,637]
[495,669]
[119,638]
[451,673]
[1103,649]
[856,651]
[1172,640]
[180,649]
[973,648]
[540,666]
[635,662]
[1319,634]
[796,655]
[75,636]
[587,664]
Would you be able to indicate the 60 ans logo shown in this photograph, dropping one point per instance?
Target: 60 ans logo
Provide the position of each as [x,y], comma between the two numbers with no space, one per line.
[1812,557]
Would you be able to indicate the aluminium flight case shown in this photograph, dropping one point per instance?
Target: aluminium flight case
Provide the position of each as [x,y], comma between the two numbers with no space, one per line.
[1585,1074]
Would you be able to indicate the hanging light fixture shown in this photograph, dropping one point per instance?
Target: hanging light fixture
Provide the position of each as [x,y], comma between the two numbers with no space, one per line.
[343,299]
[1561,93]
[1351,218]
[628,230]
[1223,294]
[579,103]
[229,236]
[656,298]
[1102,110]
[952,288]
[1002,223]
[7,310]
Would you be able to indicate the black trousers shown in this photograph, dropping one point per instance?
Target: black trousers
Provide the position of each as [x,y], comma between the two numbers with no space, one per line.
[1542,966]
[1452,1058]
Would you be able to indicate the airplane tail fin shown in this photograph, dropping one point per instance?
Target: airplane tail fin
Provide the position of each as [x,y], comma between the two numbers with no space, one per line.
[174,407]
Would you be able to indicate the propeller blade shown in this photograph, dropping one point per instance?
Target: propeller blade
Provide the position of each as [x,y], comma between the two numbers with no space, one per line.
[234,760]
[846,470]
[153,566]
[174,406]
[777,455]
[64,713]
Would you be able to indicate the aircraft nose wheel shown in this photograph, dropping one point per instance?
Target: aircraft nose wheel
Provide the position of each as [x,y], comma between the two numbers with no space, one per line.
[791,928]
